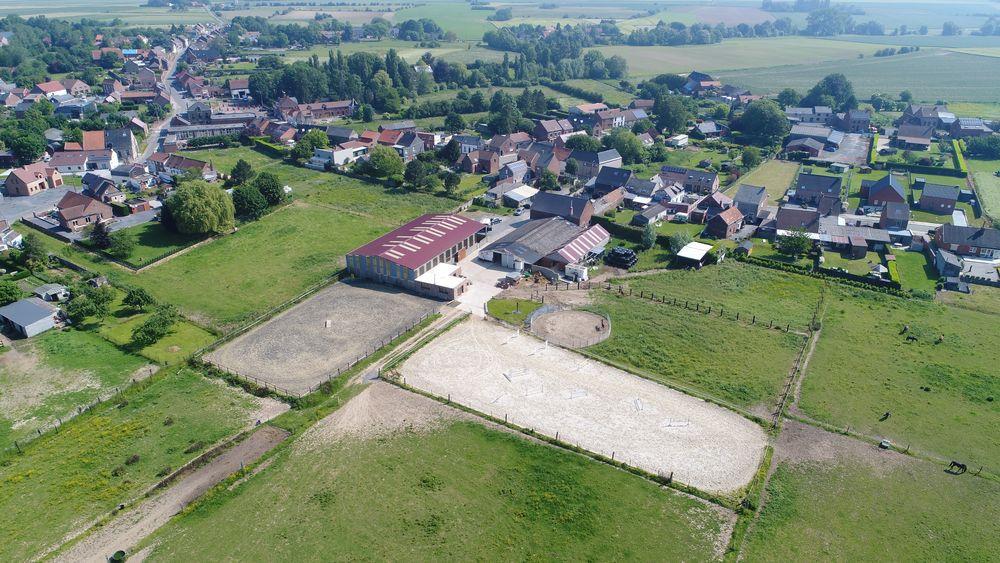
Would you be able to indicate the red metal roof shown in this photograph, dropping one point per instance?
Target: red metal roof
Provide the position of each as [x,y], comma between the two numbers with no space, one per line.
[421,240]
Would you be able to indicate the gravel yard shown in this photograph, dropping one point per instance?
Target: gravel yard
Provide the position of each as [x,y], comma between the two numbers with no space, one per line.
[304,345]
[494,370]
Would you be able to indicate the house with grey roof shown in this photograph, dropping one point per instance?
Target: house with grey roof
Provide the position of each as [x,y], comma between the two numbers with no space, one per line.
[886,189]
[750,200]
[936,198]
[590,163]
[28,317]
[608,179]
[895,216]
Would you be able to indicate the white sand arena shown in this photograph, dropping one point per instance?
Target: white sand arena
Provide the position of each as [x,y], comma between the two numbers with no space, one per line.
[494,370]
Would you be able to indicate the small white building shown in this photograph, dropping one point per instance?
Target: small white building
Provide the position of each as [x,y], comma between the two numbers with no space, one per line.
[520,196]
[29,317]
[678,141]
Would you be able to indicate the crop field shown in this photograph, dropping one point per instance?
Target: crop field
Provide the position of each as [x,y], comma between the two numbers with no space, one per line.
[458,17]
[109,455]
[306,344]
[835,499]
[750,290]
[945,76]
[951,42]
[612,95]
[775,175]
[602,409]
[737,54]
[939,388]
[129,11]
[670,344]
[47,377]
[395,476]
[459,51]
[987,185]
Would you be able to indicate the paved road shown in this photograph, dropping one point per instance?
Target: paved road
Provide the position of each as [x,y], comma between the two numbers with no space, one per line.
[176,103]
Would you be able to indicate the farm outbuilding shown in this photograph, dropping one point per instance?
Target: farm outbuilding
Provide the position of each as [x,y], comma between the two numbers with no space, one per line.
[28,317]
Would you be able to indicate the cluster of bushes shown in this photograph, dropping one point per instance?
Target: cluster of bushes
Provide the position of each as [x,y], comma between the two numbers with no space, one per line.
[254,193]
[890,51]
[987,147]
[844,278]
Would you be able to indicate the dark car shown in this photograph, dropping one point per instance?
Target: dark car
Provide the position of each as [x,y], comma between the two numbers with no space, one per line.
[621,257]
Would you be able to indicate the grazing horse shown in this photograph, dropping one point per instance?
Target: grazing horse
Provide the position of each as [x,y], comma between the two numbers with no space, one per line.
[957,468]
[885,416]
[911,338]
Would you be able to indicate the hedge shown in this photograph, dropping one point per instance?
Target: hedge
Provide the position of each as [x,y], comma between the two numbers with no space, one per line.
[572,90]
[873,151]
[893,271]
[844,278]
[958,157]
[263,145]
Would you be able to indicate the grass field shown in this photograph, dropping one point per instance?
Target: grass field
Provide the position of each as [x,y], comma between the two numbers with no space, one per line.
[775,175]
[984,299]
[852,511]
[987,185]
[944,75]
[153,241]
[687,348]
[458,17]
[737,54]
[458,51]
[940,394]
[49,376]
[131,12]
[611,94]
[80,472]
[457,491]
[751,290]
[514,311]
[916,271]
[183,340]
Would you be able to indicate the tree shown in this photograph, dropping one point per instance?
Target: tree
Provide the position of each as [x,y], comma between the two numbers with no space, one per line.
[572,166]
[796,243]
[789,98]
[451,152]
[548,181]
[365,113]
[415,174]
[677,241]
[451,182]
[454,122]
[307,143]
[155,327]
[200,208]
[834,90]
[248,203]
[242,173]
[987,147]
[27,147]
[269,187]
[627,144]
[584,143]
[138,299]
[763,122]
[33,254]
[950,28]
[750,157]
[672,115]
[906,96]
[9,292]
[121,243]
[648,237]
[384,162]
[100,236]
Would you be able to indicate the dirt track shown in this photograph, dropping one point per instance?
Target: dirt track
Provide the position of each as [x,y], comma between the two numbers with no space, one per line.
[128,529]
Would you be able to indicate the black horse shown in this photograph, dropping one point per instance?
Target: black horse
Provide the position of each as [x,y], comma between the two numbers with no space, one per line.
[957,468]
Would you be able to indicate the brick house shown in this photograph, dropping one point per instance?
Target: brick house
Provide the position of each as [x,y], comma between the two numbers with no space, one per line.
[77,211]
[697,181]
[936,198]
[969,241]
[32,179]
[725,224]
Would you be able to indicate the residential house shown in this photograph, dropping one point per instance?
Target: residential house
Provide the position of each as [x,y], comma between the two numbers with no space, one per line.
[76,211]
[914,136]
[102,188]
[710,129]
[818,191]
[516,172]
[507,145]
[409,145]
[692,180]
[545,156]
[469,143]
[725,224]
[983,242]
[590,163]
[339,135]
[480,162]
[112,86]
[76,88]
[886,189]
[699,83]
[895,216]
[796,217]
[68,162]
[923,115]
[936,198]
[608,179]
[856,121]
[177,165]
[644,104]
[405,125]
[551,129]
[751,201]
[710,206]
[651,214]
[239,88]
[146,78]
[811,147]
[646,139]
[819,115]
[32,179]
[585,109]
[338,155]
[964,127]
[576,210]
[49,89]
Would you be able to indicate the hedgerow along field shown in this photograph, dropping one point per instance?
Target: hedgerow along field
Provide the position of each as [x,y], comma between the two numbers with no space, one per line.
[458,490]
[861,506]
[937,379]
[740,364]
[49,376]
[87,468]
[944,75]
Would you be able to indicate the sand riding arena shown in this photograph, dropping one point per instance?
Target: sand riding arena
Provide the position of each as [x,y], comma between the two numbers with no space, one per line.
[305,345]
[559,393]
[570,328]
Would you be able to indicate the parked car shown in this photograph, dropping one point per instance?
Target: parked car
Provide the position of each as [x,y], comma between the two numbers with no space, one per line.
[495,220]
[519,211]
[621,257]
